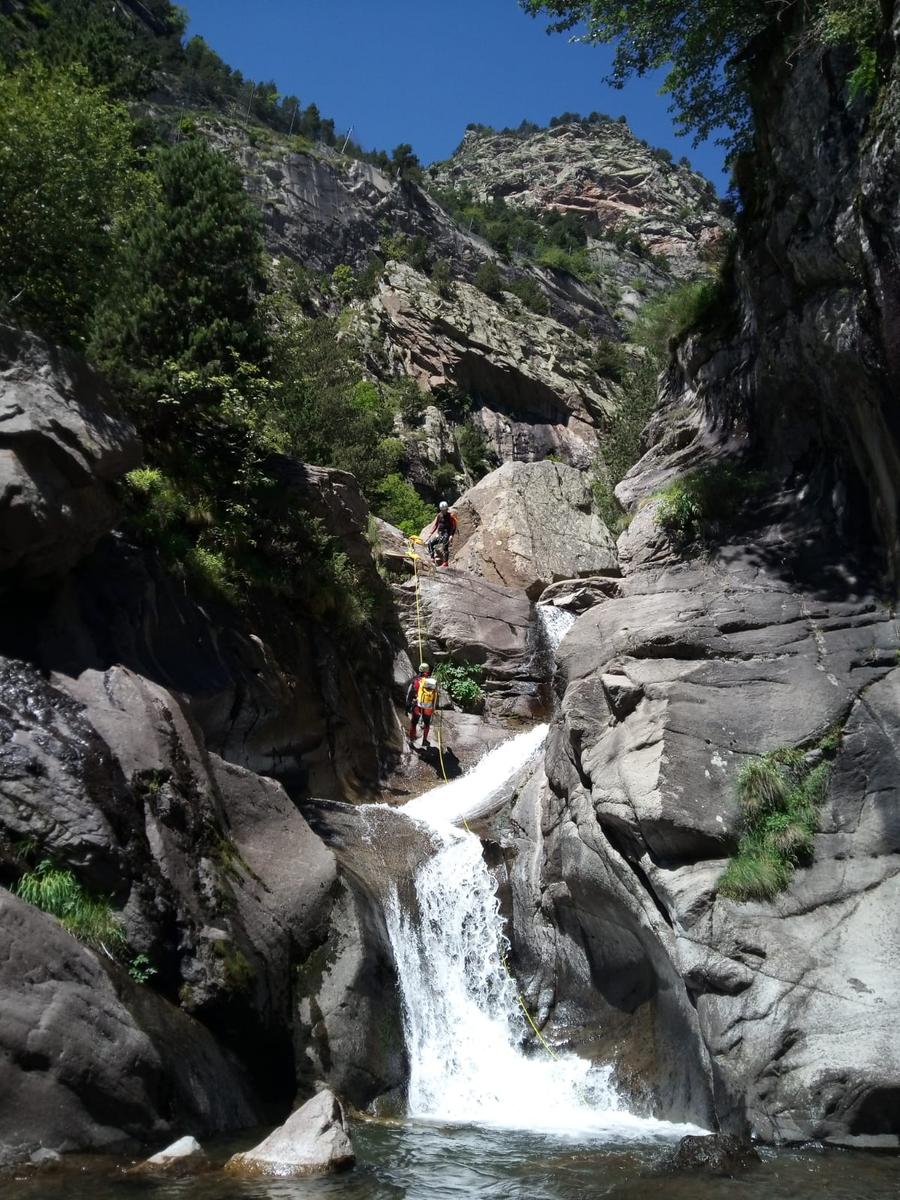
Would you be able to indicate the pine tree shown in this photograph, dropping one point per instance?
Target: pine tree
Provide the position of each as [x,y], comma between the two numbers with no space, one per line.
[187,276]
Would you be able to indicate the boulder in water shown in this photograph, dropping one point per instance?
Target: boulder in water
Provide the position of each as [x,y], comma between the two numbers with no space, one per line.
[722,1153]
[182,1156]
[313,1141]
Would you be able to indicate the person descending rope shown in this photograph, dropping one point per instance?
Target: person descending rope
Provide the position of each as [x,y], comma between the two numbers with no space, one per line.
[421,701]
[441,534]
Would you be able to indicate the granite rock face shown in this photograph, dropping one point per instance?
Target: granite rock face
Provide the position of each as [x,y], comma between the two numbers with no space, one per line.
[313,1141]
[537,391]
[533,524]
[92,1061]
[269,692]
[602,173]
[63,442]
[773,628]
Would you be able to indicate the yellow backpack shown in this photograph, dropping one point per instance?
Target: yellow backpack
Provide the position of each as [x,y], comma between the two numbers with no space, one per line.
[427,695]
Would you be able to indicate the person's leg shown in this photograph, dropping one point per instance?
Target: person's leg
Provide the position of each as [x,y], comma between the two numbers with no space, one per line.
[426,727]
[413,721]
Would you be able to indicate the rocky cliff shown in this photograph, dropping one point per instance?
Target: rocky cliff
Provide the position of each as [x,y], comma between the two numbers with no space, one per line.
[601,172]
[754,625]
[189,764]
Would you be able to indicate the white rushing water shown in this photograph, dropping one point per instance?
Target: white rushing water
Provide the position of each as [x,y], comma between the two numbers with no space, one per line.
[464,1026]
[471,794]
[555,623]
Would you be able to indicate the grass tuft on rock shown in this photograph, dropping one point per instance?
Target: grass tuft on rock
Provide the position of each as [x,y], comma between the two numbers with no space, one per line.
[780,794]
[715,493]
[56,891]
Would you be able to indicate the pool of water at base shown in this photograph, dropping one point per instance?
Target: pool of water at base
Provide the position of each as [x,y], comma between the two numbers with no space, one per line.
[412,1161]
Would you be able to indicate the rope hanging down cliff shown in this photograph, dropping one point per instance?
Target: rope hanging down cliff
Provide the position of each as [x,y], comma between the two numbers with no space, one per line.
[416,559]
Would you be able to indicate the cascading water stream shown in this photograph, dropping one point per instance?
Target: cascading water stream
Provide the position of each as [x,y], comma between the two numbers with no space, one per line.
[465,1029]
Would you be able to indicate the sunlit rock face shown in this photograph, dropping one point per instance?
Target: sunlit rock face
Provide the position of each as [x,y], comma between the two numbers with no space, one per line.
[605,175]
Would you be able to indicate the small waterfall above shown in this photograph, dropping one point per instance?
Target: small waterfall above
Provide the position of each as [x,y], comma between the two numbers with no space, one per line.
[466,1032]
[555,623]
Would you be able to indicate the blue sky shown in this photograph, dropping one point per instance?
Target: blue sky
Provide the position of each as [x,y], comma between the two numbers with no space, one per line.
[419,70]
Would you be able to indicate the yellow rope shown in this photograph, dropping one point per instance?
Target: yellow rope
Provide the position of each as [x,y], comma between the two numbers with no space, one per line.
[524,1008]
[418,608]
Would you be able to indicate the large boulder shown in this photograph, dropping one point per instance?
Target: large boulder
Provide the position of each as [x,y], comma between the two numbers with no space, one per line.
[90,1060]
[63,441]
[315,1140]
[218,880]
[528,525]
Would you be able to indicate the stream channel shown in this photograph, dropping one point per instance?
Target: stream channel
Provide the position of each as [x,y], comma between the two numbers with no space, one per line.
[487,1117]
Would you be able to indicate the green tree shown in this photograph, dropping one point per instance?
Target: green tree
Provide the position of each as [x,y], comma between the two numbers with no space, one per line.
[117,50]
[489,279]
[405,164]
[186,279]
[329,418]
[700,41]
[704,45]
[68,177]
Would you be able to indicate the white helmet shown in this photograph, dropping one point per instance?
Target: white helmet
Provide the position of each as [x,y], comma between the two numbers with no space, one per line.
[443,504]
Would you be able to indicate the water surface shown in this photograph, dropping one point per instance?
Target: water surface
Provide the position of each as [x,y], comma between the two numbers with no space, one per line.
[411,1161]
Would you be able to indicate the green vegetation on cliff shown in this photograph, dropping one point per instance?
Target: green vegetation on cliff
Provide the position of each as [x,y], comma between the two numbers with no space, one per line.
[69,179]
[780,794]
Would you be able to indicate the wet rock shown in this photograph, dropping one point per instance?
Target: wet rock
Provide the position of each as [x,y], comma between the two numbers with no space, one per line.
[469,620]
[185,1155]
[578,595]
[64,441]
[315,1140]
[347,1023]
[719,1153]
[92,1061]
[532,525]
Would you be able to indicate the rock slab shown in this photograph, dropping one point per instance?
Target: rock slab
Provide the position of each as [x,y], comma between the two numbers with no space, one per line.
[313,1141]
[61,442]
[532,525]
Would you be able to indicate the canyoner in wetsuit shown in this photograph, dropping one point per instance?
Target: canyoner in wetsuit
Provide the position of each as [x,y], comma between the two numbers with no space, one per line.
[421,701]
[441,534]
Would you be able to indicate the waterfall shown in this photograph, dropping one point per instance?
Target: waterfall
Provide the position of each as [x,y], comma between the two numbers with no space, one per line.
[465,1029]
[471,794]
[555,623]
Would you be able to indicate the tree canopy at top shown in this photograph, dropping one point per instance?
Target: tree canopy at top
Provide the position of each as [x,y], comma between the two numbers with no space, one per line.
[703,43]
